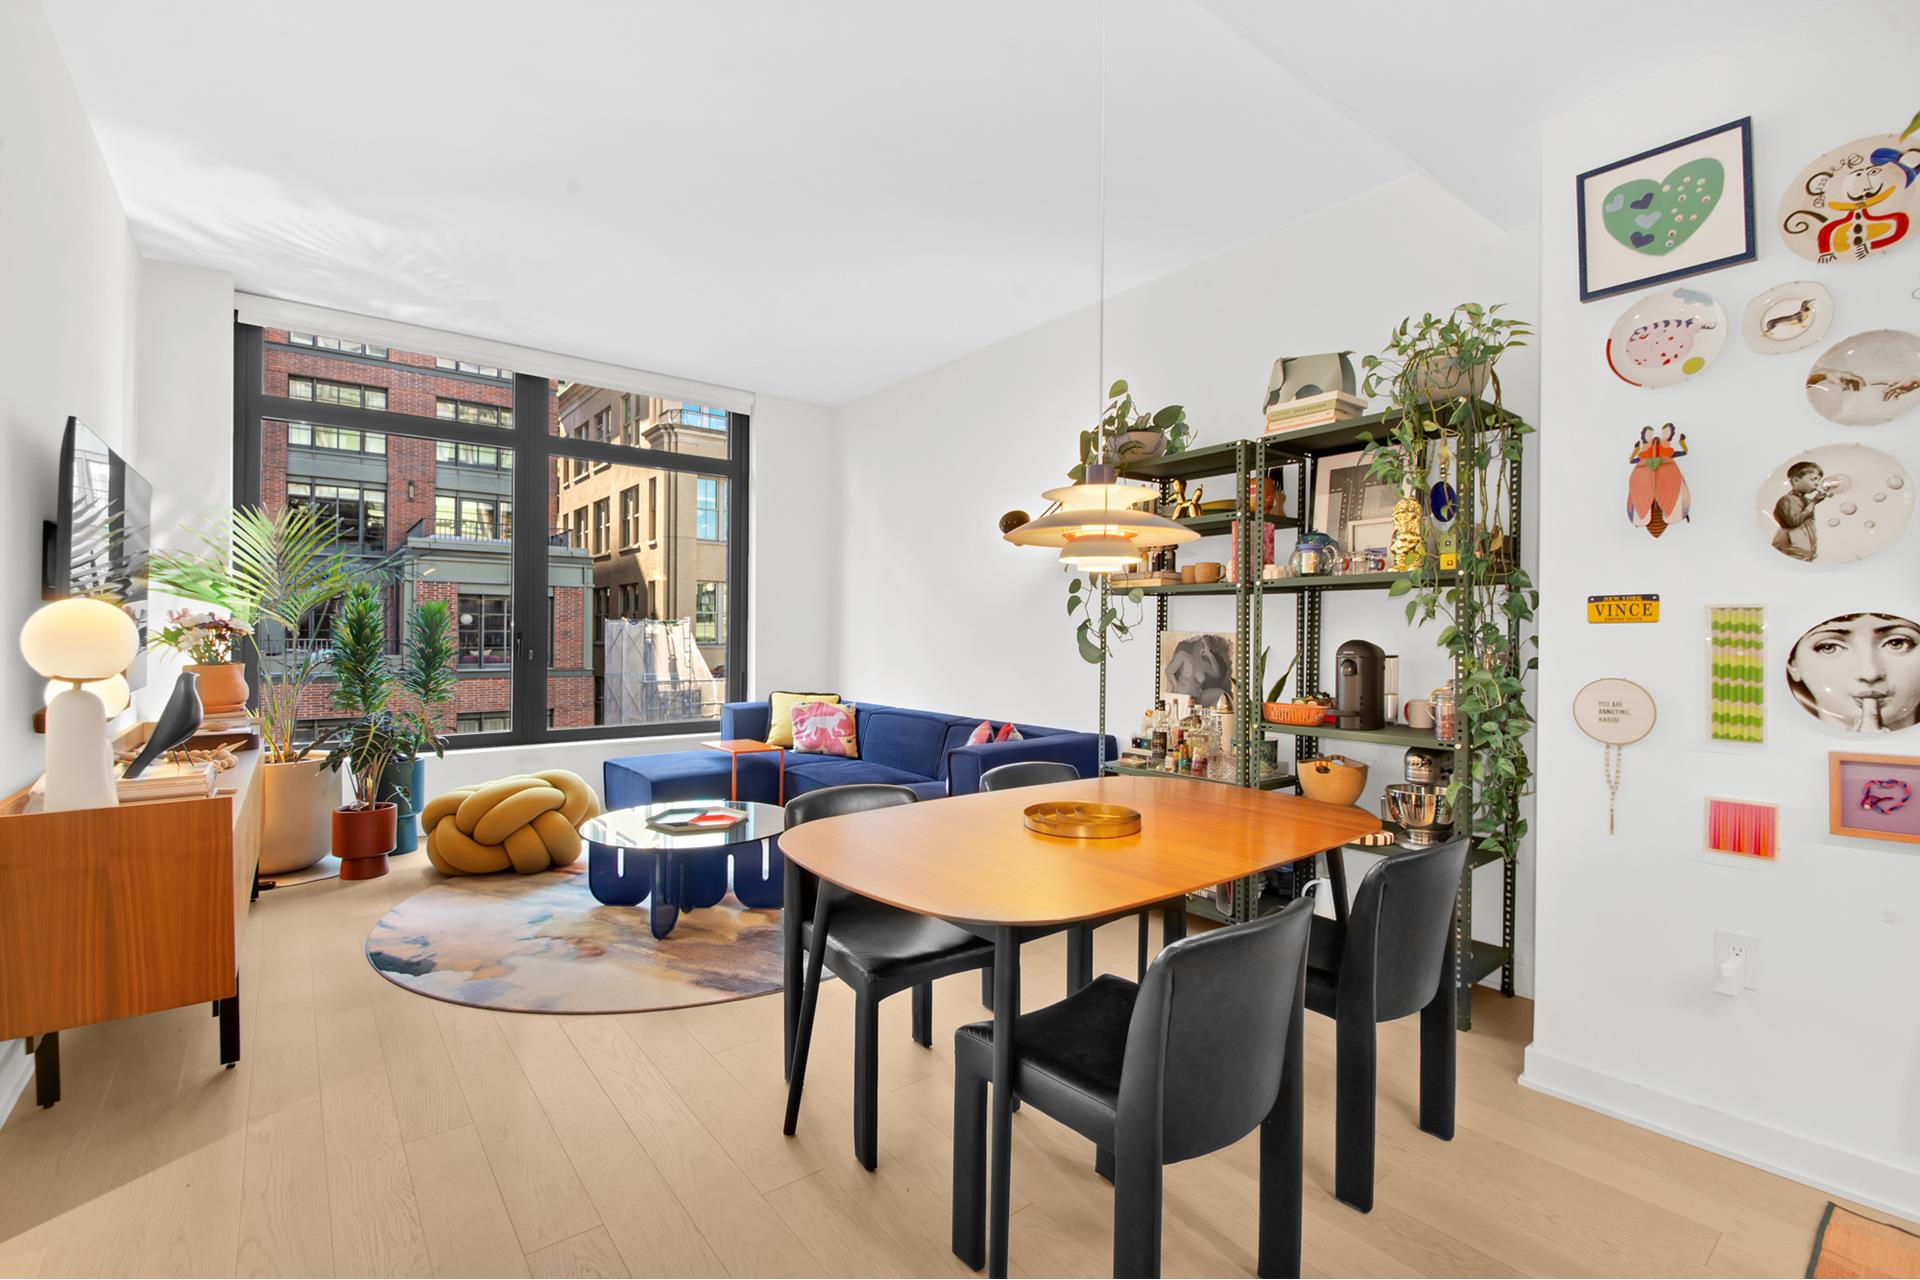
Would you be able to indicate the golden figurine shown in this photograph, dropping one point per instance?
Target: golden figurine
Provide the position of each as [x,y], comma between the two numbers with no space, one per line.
[1409,544]
[1185,508]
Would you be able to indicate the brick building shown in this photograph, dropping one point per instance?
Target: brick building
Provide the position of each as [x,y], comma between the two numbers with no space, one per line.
[657,538]
[442,512]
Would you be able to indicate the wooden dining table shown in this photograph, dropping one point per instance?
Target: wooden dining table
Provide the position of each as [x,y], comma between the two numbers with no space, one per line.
[972,861]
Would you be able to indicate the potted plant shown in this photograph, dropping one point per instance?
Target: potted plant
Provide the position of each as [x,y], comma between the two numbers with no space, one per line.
[425,685]
[211,644]
[274,572]
[1441,377]
[1128,434]
[364,829]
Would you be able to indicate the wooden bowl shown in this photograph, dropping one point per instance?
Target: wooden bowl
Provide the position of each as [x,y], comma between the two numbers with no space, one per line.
[1082,819]
[1333,779]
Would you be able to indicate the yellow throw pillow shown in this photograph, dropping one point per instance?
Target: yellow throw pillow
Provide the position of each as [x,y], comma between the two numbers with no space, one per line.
[780,714]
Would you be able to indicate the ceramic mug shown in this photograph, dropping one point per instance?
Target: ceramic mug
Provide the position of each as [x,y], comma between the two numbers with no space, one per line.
[1419,713]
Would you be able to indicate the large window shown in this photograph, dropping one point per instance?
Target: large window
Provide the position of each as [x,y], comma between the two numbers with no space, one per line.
[599,607]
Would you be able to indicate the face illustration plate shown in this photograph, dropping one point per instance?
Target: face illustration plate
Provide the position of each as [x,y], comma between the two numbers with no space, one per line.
[1834,504]
[1868,379]
[1855,202]
[1788,317]
[1666,337]
[1859,672]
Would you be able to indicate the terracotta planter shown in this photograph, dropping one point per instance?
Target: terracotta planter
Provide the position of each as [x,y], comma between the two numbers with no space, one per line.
[297,800]
[223,686]
[362,839]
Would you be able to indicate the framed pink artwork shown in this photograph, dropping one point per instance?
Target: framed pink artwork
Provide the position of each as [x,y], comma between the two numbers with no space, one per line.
[1873,797]
[1743,828]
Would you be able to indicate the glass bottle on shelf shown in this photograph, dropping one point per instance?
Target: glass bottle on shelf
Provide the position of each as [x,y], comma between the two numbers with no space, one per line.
[1446,713]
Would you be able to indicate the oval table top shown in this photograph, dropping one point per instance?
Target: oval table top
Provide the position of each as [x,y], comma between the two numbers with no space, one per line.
[971,858]
[628,829]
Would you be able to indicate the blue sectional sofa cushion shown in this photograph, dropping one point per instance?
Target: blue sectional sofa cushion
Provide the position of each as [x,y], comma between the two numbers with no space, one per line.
[925,750]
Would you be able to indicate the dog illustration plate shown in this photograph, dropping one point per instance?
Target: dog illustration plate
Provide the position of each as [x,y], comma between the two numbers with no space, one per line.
[1868,379]
[1666,337]
[1788,317]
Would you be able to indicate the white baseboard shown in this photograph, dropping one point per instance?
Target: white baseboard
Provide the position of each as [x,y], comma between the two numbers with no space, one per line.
[16,1068]
[1848,1174]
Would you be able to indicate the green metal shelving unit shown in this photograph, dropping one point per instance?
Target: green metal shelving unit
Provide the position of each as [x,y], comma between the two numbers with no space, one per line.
[1247,461]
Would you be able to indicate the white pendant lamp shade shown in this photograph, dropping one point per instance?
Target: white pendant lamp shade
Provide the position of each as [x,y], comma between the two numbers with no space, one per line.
[1088,497]
[112,692]
[1100,554]
[1140,528]
[79,639]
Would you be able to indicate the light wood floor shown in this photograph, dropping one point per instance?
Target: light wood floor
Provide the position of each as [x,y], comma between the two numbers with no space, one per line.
[372,1132]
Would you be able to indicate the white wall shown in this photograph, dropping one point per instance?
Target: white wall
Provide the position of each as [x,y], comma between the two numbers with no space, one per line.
[799,493]
[67,321]
[1818,1072]
[935,610]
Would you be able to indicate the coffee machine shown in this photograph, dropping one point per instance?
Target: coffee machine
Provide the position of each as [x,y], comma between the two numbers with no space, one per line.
[1360,683]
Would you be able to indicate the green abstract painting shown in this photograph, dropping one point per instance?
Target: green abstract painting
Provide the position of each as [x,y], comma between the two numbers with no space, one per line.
[1737,673]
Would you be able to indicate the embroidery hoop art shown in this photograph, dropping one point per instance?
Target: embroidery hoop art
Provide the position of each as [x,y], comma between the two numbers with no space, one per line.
[1616,713]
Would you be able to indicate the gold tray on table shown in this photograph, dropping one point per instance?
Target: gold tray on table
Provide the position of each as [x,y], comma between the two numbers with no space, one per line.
[1079,819]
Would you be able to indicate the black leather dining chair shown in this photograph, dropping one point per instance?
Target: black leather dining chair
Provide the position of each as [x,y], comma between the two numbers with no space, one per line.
[1393,957]
[1189,1061]
[877,950]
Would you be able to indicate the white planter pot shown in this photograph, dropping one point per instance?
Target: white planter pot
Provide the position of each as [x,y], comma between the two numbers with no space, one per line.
[297,827]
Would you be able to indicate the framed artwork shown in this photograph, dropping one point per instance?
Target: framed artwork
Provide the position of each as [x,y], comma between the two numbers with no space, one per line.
[1737,673]
[1198,665]
[1346,503]
[1743,828]
[1665,214]
[1872,797]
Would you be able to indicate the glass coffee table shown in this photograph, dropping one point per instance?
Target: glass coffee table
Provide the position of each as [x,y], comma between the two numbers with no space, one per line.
[630,862]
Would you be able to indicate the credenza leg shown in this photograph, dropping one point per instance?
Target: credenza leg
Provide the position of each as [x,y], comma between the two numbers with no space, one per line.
[46,1069]
[230,1026]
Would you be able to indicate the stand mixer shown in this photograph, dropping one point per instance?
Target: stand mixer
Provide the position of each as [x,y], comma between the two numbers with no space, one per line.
[1419,806]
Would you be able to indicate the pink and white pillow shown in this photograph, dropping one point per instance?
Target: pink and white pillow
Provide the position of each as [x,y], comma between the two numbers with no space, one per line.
[825,729]
[984,733]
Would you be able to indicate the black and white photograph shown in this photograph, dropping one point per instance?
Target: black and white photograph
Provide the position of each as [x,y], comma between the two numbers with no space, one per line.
[1197,665]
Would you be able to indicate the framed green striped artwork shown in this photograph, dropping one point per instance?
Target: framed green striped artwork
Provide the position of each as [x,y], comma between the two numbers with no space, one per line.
[1737,673]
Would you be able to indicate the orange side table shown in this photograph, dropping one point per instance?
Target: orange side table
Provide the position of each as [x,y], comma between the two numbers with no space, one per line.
[737,747]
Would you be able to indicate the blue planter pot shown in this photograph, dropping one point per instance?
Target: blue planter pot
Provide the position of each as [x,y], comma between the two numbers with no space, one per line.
[405,785]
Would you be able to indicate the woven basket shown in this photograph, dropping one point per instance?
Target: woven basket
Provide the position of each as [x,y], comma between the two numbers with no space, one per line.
[1293,713]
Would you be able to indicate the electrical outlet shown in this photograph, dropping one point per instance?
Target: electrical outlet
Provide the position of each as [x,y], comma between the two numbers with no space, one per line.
[1724,943]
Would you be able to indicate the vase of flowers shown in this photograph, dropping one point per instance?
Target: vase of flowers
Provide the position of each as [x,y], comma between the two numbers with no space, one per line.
[211,643]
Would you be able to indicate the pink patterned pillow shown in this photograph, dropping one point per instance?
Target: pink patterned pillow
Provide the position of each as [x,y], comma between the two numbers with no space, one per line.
[825,728]
[982,734]
[1007,733]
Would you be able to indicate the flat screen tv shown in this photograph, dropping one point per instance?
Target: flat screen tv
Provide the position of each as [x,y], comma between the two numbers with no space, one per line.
[99,542]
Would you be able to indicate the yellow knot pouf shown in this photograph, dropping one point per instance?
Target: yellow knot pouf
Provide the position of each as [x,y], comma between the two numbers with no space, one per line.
[530,823]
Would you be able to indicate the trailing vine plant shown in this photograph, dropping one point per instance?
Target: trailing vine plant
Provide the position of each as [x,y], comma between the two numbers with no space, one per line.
[1444,395]
[1099,627]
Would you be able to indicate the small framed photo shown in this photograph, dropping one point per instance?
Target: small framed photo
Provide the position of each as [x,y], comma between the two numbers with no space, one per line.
[1675,211]
[1348,502]
[1873,797]
[1747,829]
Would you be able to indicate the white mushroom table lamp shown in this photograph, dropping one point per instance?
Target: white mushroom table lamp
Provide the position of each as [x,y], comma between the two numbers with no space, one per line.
[83,645]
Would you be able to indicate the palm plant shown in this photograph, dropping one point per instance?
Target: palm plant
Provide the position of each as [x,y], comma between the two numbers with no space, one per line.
[427,676]
[363,685]
[283,568]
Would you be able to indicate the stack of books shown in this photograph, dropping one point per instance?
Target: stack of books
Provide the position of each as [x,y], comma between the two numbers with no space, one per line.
[165,780]
[1313,411]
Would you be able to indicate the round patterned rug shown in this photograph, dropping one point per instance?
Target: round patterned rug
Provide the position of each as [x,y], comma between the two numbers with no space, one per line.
[542,944]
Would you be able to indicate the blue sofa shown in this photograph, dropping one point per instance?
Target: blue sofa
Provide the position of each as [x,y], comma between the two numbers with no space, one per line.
[925,750]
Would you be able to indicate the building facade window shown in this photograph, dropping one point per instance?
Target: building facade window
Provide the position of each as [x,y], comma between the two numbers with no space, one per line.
[304,435]
[709,509]
[699,415]
[358,512]
[580,530]
[602,526]
[348,395]
[653,508]
[468,411]
[457,515]
[709,607]
[473,455]
[462,366]
[602,605]
[322,342]
[630,516]
[483,722]
[485,626]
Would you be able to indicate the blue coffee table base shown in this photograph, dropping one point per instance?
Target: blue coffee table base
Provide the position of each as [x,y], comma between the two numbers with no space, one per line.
[683,881]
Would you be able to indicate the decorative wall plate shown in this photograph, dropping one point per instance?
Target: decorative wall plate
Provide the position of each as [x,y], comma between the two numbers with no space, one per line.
[1666,337]
[1868,379]
[1859,672]
[1788,317]
[1856,201]
[1616,713]
[1835,503]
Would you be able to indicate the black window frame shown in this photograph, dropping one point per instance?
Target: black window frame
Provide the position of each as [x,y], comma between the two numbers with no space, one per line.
[536,454]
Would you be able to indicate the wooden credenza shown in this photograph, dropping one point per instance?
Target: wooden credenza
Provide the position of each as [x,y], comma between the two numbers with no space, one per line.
[110,913]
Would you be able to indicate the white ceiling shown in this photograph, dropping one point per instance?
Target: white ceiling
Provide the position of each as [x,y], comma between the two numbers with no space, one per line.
[812,199]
